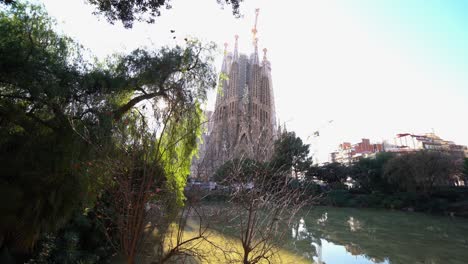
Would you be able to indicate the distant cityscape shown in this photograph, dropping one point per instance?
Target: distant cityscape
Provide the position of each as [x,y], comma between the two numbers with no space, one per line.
[348,153]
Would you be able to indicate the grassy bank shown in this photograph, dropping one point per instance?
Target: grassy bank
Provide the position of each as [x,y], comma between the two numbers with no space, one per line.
[223,248]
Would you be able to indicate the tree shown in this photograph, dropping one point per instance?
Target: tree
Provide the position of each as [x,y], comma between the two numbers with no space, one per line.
[59,115]
[145,192]
[129,11]
[465,170]
[335,174]
[7,2]
[421,171]
[291,154]
[245,166]
[369,173]
[261,210]
[40,156]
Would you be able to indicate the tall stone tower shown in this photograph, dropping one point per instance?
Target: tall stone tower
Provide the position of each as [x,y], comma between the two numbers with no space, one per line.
[243,123]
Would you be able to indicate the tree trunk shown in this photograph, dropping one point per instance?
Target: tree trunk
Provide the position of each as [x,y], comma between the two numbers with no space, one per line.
[130,260]
[246,257]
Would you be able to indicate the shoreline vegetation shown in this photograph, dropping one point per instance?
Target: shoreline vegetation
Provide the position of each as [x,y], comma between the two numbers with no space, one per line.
[96,156]
[446,201]
[449,201]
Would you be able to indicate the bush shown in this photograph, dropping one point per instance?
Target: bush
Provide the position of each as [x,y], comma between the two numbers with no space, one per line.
[459,208]
[313,189]
[393,202]
[81,241]
[443,201]
[338,186]
[452,194]
[376,199]
[421,171]
[216,197]
[338,198]
[437,205]
[373,200]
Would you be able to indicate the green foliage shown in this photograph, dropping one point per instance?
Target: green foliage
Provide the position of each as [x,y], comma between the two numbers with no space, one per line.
[368,173]
[7,2]
[60,116]
[237,170]
[420,171]
[421,181]
[291,154]
[81,240]
[222,173]
[338,197]
[132,10]
[40,155]
[441,201]
[178,146]
[222,78]
[334,174]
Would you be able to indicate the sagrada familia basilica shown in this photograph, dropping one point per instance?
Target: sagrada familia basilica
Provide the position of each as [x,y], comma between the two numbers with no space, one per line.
[243,124]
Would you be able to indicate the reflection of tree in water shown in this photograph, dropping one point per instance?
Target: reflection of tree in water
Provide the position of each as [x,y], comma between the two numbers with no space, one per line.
[379,236]
[304,242]
[355,250]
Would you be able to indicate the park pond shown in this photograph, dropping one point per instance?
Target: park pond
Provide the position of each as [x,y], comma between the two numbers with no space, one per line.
[332,235]
[346,235]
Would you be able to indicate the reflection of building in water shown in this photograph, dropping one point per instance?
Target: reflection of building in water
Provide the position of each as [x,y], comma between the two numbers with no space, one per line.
[319,253]
[410,235]
[354,224]
[300,232]
[323,218]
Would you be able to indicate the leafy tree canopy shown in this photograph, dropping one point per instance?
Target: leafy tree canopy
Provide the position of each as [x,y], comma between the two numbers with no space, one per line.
[8,2]
[421,171]
[334,174]
[58,112]
[290,153]
[368,173]
[237,170]
[129,11]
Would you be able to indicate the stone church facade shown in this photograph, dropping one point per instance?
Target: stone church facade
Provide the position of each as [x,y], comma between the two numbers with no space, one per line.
[243,124]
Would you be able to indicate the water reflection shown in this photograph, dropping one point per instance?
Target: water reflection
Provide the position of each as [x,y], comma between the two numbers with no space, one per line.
[354,224]
[342,236]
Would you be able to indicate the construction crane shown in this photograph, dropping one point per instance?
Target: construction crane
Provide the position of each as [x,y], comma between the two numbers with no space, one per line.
[317,132]
[315,135]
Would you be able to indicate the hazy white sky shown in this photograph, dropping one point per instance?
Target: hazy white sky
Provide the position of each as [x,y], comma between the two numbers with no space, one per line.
[376,68]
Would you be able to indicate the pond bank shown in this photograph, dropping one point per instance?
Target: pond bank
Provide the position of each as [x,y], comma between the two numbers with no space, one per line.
[448,202]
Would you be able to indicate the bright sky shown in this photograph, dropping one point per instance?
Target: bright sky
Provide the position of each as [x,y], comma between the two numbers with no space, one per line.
[376,68]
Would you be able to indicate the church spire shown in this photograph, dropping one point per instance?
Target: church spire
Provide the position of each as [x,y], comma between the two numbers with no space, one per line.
[255,39]
[265,63]
[225,48]
[254,29]
[255,57]
[236,52]
[224,67]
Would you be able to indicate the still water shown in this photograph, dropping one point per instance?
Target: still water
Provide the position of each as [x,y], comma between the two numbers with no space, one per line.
[364,236]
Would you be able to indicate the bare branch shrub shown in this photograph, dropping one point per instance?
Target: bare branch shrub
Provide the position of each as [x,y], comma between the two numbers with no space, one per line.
[262,207]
